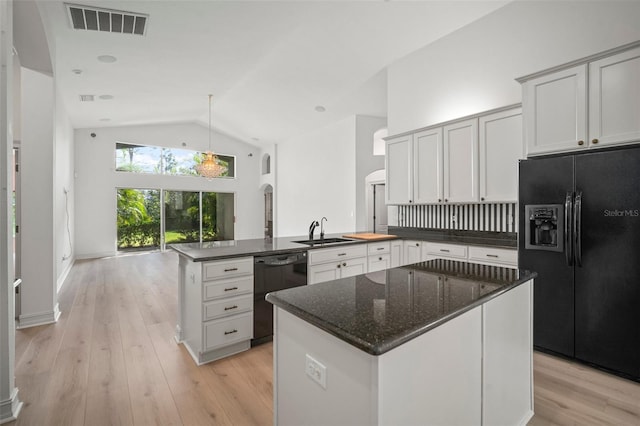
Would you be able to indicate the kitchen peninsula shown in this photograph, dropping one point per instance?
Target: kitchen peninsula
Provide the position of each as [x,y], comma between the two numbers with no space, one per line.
[438,342]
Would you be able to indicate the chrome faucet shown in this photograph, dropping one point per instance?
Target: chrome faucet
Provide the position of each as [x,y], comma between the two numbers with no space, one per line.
[322,227]
[312,228]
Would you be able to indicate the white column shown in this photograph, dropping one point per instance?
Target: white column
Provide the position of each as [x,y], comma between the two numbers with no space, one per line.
[10,405]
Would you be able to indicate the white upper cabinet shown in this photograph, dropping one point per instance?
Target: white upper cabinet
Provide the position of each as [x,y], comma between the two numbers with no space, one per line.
[587,105]
[500,142]
[461,162]
[398,162]
[427,166]
[614,99]
[464,161]
[556,111]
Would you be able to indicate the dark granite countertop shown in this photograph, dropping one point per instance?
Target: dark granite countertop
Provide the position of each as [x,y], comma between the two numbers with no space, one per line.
[379,311]
[214,250]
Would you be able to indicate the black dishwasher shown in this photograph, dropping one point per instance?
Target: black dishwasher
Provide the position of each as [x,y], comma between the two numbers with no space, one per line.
[273,273]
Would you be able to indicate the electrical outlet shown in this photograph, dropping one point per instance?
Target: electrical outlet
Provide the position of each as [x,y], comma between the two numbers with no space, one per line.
[316,371]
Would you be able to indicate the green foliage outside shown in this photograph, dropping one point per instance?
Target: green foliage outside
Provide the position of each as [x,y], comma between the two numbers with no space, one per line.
[138,218]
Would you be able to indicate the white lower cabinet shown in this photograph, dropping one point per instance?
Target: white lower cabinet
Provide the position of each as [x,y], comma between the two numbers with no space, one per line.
[494,256]
[216,307]
[334,263]
[397,251]
[414,252]
[378,256]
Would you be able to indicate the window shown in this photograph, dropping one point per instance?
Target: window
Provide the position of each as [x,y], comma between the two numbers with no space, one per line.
[165,161]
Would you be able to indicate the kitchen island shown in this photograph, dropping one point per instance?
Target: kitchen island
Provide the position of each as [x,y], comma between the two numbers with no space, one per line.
[439,342]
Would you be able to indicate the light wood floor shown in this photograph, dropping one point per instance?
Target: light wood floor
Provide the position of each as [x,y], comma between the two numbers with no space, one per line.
[111,360]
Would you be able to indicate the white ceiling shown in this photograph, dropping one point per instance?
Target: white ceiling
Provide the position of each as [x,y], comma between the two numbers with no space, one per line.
[267,63]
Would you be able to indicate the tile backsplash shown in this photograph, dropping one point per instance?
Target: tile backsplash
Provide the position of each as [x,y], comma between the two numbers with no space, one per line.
[498,217]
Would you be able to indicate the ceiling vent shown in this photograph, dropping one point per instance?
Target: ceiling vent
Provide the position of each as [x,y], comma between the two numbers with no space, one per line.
[87,98]
[112,21]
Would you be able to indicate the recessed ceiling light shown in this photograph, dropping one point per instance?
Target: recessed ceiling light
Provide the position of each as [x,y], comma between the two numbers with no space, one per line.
[105,119]
[76,71]
[106,97]
[107,58]
[320,108]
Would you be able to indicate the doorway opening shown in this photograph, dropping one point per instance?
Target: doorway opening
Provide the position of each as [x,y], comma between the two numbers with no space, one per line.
[380,224]
[268,211]
[15,202]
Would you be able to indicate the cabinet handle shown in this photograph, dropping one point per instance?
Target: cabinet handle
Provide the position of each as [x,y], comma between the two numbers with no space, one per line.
[379,258]
[342,254]
[230,332]
[446,200]
[580,142]
[231,269]
[230,288]
[228,308]
[417,244]
[594,141]
[481,198]
[344,264]
[339,265]
[493,255]
[410,201]
[445,250]
[380,248]
[439,200]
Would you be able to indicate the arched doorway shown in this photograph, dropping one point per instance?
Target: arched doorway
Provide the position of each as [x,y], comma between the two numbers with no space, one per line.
[268,211]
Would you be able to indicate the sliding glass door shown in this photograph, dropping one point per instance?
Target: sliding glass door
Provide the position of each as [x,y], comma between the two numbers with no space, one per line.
[185,217]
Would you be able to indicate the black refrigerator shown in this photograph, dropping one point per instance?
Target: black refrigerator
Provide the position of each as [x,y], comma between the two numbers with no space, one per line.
[579,229]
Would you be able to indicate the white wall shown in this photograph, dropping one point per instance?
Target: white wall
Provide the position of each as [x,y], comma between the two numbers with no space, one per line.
[366,163]
[473,69]
[38,289]
[96,180]
[64,221]
[316,178]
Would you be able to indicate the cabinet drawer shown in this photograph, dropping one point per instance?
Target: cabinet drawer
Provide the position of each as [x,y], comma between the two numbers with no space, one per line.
[379,248]
[227,268]
[228,306]
[338,253]
[226,288]
[494,255]
[225,331]
[447,250]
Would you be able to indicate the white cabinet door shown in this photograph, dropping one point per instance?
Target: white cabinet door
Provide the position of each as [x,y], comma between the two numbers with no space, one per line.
[351,267]
[614,99]
[427,167]
[398,164]
[555,108]
[461,162]
[397,251]
[379,262]
[412,252]
[500,140]
[324,272]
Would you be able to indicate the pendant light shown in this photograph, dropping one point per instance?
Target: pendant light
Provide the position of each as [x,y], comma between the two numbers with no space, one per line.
[209,167]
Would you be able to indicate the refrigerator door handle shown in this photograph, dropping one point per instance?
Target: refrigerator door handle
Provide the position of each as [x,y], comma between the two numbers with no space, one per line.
[577,227]
[568,235]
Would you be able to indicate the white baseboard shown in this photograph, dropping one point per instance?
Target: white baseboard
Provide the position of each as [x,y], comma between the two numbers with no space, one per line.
[39,318]
[96,255]
[64,274]
[10,408]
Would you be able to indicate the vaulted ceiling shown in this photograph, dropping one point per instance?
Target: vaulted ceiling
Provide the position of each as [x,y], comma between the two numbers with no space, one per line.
[269,64]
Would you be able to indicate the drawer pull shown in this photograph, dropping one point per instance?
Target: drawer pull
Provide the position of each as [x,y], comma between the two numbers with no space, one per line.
[417,244]
[379,258]
[445,250]
[228,308]
[342,254]
[344,264]
[231,269]
[380,248]
[230,332]
[230,288]
[493,255]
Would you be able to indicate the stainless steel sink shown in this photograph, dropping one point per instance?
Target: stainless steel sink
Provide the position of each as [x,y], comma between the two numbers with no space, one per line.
[323,241]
